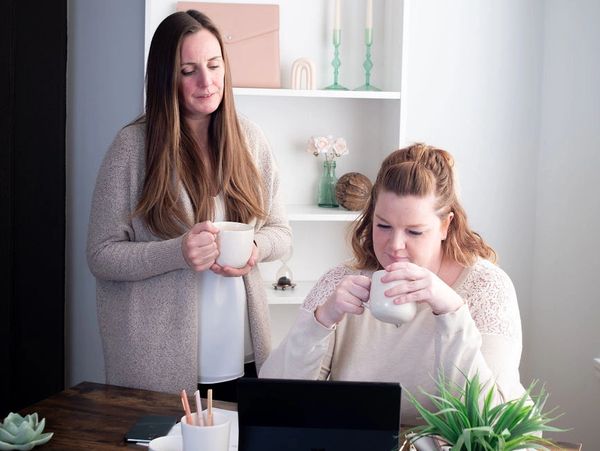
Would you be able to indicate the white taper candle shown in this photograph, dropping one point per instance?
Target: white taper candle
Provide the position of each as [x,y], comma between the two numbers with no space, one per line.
[336,24]
[369,20]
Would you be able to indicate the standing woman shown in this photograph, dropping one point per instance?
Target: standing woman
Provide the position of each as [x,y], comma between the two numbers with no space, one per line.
[170,317]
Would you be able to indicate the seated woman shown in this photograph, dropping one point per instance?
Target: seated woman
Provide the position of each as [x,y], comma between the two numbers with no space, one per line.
[467,318]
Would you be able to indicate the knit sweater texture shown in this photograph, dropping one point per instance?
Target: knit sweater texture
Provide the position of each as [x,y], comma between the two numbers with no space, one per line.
[146,293]
[484,336]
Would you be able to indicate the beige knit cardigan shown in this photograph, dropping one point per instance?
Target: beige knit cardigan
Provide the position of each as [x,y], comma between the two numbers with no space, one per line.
[146,294]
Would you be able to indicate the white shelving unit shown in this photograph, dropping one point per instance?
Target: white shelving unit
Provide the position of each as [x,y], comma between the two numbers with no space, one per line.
[320,93]
[369,121]
[315,213]
[289,296]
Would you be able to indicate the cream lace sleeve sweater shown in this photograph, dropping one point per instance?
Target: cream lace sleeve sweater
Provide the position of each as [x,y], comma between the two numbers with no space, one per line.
[146,294]
[482,336]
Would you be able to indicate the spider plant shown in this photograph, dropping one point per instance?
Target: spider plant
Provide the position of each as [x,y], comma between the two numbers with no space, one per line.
[466,424]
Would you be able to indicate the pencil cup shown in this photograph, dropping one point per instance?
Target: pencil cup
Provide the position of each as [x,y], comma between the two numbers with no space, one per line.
[209,438]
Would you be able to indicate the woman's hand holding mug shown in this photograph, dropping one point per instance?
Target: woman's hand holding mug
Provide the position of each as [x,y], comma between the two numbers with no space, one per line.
[228,271]
[199,246]
[348,297]
[413,283]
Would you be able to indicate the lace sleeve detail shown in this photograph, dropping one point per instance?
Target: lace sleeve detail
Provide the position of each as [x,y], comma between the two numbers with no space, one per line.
[492,301]
[325,286]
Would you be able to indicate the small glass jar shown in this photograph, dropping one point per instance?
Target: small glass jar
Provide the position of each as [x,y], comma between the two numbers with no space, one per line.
[327,198]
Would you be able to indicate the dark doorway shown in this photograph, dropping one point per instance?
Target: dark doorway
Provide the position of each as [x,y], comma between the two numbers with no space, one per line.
[33,51]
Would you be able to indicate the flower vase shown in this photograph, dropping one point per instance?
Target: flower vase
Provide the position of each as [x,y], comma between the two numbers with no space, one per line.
[327,184]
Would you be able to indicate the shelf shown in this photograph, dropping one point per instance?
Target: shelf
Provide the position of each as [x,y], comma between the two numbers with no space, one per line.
[315,213]
[319,93]
[294,296]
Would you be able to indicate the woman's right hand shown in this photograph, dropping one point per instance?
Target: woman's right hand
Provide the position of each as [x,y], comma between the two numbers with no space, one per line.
[348,297]
[199,246]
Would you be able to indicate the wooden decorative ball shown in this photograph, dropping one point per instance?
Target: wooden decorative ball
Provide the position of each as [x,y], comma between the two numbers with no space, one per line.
[353,190]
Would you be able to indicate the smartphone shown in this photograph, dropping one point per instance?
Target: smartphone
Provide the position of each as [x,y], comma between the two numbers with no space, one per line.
[149,427]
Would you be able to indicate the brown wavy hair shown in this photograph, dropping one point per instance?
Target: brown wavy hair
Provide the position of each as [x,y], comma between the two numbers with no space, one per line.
[172,160]
[420,170]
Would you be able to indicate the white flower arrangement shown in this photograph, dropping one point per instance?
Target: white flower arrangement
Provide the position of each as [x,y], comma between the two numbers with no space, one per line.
[328,146]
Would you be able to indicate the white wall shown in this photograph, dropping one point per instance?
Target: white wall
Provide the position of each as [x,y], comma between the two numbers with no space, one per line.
[564,325]
[512,89]
[104,92]
[470,86]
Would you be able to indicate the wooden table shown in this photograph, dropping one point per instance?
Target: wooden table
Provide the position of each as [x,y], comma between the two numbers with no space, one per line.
[94,416]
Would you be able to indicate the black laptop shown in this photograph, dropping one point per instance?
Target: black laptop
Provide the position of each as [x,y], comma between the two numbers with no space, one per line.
[303,415]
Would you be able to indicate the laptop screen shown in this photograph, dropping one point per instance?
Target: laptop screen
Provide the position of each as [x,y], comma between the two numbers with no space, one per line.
[304,415]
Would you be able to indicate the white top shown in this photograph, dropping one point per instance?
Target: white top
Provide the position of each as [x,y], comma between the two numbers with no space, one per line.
[224,342]
[483,336]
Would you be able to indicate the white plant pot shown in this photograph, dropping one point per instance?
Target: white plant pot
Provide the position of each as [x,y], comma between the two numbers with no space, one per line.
[430,444]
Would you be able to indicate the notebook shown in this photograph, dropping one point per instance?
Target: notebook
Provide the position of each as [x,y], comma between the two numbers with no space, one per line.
[303,415]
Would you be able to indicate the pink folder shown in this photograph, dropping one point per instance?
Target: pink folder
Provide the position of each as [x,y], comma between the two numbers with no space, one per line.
[251,36]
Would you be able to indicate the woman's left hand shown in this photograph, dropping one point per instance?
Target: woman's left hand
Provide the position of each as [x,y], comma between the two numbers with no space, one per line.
[228,271]
[418,284]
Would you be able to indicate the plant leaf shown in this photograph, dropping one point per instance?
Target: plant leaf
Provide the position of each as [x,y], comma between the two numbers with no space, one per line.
[468,424]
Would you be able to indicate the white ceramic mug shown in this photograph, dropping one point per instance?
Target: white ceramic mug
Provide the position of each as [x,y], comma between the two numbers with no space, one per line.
[383,308]
[213,438]
[235,241]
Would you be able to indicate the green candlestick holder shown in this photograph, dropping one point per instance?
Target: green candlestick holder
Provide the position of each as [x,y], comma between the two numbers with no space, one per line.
[368,64]
[336,63]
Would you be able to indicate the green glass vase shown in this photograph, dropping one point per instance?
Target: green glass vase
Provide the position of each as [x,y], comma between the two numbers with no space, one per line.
[327,184]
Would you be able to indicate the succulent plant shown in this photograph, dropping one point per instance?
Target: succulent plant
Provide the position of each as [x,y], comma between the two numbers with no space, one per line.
[22,433]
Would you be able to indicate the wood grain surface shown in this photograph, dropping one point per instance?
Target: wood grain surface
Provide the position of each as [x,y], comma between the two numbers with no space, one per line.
[91,416]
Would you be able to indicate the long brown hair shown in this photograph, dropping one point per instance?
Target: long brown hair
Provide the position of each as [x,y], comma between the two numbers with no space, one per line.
[172,160]
[420,170]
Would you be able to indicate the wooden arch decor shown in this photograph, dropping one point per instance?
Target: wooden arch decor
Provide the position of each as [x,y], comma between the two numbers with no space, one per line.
[303,74]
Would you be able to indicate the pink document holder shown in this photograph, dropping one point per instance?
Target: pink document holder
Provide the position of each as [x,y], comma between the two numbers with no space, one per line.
[251,38]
